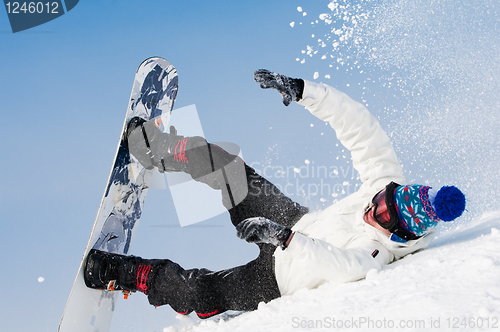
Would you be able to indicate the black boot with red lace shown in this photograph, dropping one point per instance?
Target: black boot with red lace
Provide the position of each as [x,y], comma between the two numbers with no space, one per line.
[163,281]
[108,271]
[168,152]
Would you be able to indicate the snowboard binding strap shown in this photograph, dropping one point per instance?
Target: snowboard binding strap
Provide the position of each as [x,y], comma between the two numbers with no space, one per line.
[146,140]
[111,287]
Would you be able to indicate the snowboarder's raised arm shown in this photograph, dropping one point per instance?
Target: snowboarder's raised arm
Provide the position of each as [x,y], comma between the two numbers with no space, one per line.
[372,152]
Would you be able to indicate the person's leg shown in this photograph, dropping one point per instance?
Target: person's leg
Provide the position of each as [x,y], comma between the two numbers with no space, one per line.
[203,291]
[244,192]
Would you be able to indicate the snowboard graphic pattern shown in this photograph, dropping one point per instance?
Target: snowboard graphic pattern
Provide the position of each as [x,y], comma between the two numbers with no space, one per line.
[153,96]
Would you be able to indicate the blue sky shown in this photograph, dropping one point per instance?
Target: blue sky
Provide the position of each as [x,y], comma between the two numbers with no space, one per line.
[65,88]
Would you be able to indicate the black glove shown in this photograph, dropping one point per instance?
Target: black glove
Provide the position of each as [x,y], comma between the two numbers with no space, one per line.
[262,230]
[290,88]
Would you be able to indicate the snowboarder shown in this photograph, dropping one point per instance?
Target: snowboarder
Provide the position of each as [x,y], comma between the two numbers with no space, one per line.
[380,223]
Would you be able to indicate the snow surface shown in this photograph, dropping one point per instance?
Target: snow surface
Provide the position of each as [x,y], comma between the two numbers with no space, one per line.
[453,285]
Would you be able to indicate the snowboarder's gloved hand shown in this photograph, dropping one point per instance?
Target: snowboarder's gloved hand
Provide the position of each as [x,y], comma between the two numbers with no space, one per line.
[262,230]
[290,88]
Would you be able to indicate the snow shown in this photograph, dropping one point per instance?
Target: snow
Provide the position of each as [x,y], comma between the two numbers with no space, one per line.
[451,285]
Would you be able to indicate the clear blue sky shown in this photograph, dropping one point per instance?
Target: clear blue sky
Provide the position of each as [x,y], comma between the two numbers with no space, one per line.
[65,87]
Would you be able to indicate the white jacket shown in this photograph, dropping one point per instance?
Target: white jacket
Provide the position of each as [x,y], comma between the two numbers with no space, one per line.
[336,245]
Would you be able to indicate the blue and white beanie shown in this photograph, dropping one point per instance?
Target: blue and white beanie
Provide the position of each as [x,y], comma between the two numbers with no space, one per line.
[422,207]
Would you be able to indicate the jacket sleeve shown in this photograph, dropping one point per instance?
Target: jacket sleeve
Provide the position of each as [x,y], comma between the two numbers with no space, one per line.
[330,263]
[372,152]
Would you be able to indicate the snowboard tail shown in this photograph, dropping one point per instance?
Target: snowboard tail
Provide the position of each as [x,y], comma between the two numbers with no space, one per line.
[153,96]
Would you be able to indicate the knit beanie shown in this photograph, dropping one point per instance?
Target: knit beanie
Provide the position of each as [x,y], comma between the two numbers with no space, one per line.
[421,207]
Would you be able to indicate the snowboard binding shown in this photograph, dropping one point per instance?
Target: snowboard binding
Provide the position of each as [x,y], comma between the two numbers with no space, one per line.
[154,148]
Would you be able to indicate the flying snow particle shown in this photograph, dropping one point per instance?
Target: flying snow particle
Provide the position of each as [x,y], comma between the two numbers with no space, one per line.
[41,279]
[326,18]
[292,24]
[299,9]
[307,161]
[316,75]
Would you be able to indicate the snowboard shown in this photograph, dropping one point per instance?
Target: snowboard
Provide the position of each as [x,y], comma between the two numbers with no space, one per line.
[153,96]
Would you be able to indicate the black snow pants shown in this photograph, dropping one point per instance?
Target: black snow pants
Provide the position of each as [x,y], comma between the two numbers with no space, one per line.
[240,288]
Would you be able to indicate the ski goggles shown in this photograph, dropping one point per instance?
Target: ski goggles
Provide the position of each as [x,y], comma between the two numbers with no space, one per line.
[386,215]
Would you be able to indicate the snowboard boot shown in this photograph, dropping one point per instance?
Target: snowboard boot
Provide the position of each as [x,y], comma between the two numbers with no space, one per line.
[107,271]
[154,148]
[163,281]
